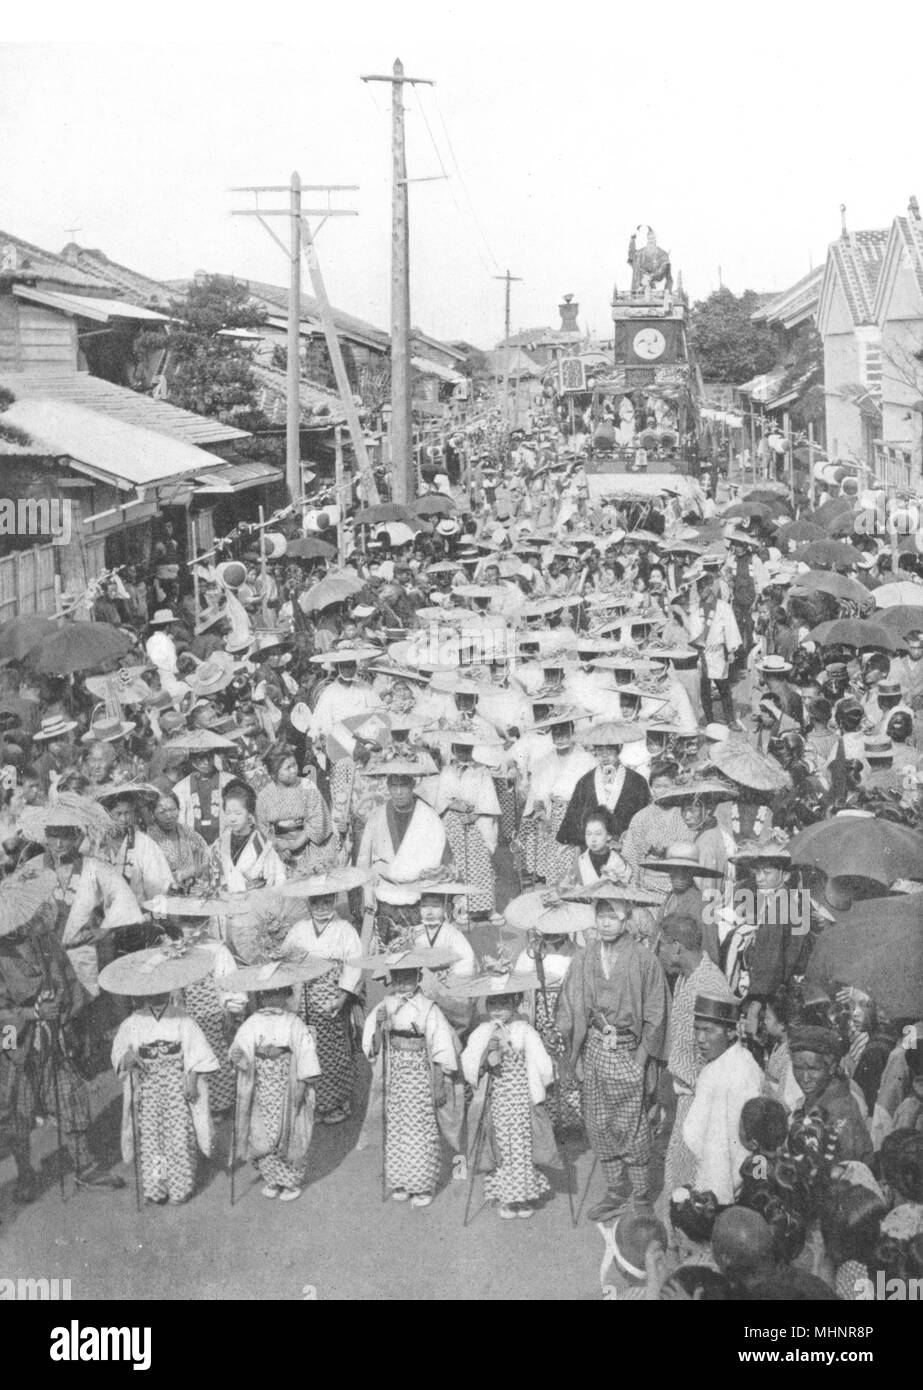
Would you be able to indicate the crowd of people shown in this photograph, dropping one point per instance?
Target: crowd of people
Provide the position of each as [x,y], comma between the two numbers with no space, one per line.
[541,821]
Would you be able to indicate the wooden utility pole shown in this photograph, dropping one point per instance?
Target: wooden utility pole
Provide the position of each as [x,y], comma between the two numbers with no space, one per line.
[508,279]
[293,362]
[404,480]
[302,240]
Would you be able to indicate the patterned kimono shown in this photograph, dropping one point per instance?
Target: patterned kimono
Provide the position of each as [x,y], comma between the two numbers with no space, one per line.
[339,943]
[200,804]
[438,984]
[187,855]
[274,1120]
[143,865]
[473,847]
[169,1127]
[283,813]
[552,786]
[207,1003]
[419,1039]
[511,1090]
[564,1102]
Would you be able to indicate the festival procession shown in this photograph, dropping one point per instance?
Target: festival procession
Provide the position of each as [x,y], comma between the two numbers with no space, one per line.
[520,822]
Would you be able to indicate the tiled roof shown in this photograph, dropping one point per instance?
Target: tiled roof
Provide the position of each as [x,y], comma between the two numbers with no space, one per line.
[318,405]
[796,303]
[858,257]
[120,403]
[911,230]
[139,287]
[45,265]
[275,297]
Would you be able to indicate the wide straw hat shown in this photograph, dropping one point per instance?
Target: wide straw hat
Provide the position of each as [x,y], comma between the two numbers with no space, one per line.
[54,727]
[113,792]
[409,958]
[330,884]
[743,763]
[711,792]
[761,852]
[22,899]
[548,914]
[497,982]
[200,741]
[107,730]
[682,855]
[276,974]
[213,675]
[610,733]
[158,970]
[70,811]
[606,891]
[342,656]
[418,763]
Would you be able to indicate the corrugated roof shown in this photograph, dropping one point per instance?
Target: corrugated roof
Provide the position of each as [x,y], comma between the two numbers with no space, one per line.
[88,305]
[238,477]
[110,448]
[45,265]
[318,405]
[120,403]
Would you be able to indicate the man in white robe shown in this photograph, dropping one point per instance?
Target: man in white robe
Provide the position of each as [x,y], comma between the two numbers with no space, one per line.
[730,1076]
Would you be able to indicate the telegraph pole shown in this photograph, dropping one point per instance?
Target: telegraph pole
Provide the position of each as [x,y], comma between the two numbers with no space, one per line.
[302,240]
[293,358]
[404,474]
[508,278]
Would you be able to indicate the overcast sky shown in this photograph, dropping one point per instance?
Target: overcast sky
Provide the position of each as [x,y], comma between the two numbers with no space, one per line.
[736,132]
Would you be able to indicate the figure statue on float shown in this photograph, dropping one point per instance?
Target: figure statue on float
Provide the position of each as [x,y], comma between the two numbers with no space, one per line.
[650,266]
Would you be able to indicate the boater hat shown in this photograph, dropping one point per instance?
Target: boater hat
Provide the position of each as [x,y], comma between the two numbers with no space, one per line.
[54,727]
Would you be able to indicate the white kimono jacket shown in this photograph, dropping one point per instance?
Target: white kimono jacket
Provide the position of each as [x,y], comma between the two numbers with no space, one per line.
[338,701]
[257,866]
[276,1028]
[421,849]
[711,1129]
[721,637]
[556,776]
[143,865]
[422,1015]
[142,1028]
[475,786]
[518,1036]
[339,941]
[93,887]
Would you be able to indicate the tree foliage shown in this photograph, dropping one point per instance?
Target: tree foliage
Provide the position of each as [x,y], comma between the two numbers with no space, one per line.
[206,372]
[727,344]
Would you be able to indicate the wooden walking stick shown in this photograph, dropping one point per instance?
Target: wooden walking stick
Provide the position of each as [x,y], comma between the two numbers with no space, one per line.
[479,1140]
[232,1151]
[136,1146]
[385,1079]
[536,951]
[55,1036]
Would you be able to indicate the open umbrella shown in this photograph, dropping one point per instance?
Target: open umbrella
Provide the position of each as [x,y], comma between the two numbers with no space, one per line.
[842,524]
[79,647]
[749,767]
[861,846]
[759,511]
[799,532]
[309,548]
[22,898]
[829,510]
[334,588]
[827,554]
[899,620]
[878,946]
[901,592]
[853,632]
[20,636]
[839,586]
[385,511]
[434,504]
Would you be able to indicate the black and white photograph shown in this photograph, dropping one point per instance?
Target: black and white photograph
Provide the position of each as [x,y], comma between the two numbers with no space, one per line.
[461,664]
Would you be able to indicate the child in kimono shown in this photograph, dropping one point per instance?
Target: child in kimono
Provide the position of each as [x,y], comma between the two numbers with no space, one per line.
[435,930]
[277,1069]
[326,1003]
[161,1054]
[506,1063]
[410,1039]
[600,859]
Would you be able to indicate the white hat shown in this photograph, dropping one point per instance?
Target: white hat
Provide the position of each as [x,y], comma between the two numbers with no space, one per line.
[448,527]
[162,617]
[54,727]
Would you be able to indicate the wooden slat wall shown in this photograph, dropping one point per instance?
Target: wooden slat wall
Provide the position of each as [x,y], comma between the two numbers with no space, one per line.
[46,338]
[27,582]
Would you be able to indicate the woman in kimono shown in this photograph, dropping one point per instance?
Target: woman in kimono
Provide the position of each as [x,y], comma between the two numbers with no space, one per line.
[326,1003]
[277,1069]
[138,858]
[185,851]
[465,798]
[161,1055]
[291,812]
[507,1066]
[415,1074]
[242,858]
